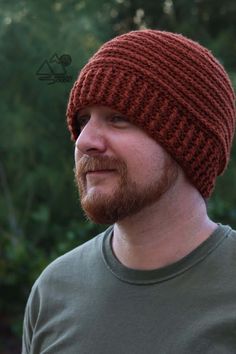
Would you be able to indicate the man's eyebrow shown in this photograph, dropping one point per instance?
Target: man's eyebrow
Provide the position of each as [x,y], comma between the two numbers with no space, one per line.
[85,112]
[82,111]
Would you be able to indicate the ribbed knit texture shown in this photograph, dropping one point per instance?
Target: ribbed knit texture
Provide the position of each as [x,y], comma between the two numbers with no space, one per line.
[171,87]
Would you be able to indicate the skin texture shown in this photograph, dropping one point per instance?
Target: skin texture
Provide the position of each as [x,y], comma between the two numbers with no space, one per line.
[127,179]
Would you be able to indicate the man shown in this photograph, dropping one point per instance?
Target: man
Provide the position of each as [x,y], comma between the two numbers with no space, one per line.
[152,115]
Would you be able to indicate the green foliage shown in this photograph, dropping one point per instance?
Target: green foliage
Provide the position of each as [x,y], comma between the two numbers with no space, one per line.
[40,217]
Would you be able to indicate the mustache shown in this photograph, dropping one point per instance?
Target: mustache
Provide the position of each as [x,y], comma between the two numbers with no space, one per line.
[91,163]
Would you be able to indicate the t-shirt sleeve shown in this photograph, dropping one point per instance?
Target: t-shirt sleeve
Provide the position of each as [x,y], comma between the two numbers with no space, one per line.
[31,311]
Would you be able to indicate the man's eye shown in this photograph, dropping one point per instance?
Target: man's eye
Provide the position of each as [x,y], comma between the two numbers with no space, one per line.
[118,119]
[82,121]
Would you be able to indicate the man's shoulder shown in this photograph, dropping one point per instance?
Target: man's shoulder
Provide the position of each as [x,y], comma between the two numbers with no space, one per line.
[229,233]
[76,261]
[224,247]
[231,238]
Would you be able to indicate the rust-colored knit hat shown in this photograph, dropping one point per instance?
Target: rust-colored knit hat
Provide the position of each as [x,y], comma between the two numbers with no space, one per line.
[170,86]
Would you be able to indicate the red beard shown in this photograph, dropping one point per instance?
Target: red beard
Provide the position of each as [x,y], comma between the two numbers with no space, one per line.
[127,198]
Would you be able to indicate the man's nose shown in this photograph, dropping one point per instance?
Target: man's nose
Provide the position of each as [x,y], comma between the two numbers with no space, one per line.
[91,139]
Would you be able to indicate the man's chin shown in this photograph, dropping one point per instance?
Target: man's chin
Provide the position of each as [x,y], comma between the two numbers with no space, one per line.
[97,213]
[96,205]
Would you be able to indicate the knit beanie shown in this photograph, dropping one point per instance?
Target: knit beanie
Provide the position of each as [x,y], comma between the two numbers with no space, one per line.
[172,88]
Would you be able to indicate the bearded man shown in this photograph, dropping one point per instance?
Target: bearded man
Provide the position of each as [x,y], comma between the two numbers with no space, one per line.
[152,115]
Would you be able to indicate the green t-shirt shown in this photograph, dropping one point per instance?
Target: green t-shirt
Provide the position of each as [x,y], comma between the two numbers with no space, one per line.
[87,302]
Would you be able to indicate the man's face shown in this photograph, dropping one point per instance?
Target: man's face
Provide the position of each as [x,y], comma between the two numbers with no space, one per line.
[119,169]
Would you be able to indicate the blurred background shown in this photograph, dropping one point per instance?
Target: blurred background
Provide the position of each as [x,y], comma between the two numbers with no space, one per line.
[43,46]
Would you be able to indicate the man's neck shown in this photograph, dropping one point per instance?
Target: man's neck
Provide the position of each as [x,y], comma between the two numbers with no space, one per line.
[162,234]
